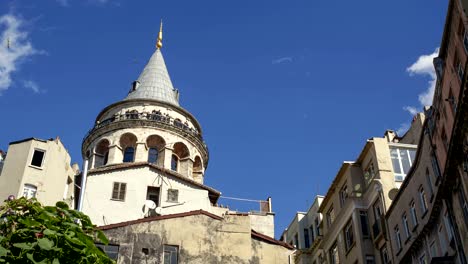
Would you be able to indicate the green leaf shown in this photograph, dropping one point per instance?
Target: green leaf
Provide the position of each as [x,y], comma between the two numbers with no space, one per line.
[3,251]
[55,261]
[62,205]
[49,232]
[25,245]
[45,243]
[102,237]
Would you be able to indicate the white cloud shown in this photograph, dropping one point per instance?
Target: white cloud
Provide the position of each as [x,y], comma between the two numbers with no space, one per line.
[282,60]
[14,49]
[424,66]
[402,129]
[411,109]
[32,85]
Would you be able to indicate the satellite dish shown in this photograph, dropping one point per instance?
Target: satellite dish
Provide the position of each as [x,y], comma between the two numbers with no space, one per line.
[158,210]
[148,208]
[392,193]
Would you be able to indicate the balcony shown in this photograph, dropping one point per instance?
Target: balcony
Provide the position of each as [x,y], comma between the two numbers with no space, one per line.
[149,119]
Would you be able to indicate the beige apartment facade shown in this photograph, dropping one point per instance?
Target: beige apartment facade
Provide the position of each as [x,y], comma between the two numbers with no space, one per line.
[41,169]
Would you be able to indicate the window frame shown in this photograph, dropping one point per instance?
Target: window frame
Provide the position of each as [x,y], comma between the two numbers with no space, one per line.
[402,173]
[170,249]
[119,192]
[42,160]
[150,155]
[31,190]
[124,159]
[396,231]
[404,220]
[423,201]
[176,191]
[348,233]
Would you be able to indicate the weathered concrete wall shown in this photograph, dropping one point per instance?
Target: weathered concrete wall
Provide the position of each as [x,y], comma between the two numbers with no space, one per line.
[264,224]
[200,239]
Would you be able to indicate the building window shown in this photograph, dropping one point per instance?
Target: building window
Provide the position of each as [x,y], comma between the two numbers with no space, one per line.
[458,65]
[463,204]
[404,219]
[118,191]
[312,236]
[306,238]
[402,160]
[414,218]
[349,235]
[369,173]
[397,238]
[29,191]
[334,257]
[444,139]
[105,159]
[442,240]
[433,249]
[429,181]
[112,251]
[152,193]
[317,226]
[153,155]
[452,101]
[448,226]
[423,200]
[174,163]
[343,194]
[422,259]
[171,254]
[384,255]
[435,165]
[465,42]
[364,224]
[129,154]
[370,259]
[296,240]
[330,216]
[173,195]
[37,158]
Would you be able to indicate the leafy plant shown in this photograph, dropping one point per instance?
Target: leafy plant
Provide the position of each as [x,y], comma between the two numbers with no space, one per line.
[32,233]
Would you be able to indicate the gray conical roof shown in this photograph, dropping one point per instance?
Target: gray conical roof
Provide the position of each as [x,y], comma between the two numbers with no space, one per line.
[154,82]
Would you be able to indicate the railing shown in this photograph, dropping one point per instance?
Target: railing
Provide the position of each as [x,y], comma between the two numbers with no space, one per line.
[153,117]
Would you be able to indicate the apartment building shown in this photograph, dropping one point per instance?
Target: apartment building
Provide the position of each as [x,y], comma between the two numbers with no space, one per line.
[351,226]
[304,233]
[36,168]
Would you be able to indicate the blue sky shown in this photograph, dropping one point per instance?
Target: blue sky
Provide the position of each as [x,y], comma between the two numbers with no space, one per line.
[285,90]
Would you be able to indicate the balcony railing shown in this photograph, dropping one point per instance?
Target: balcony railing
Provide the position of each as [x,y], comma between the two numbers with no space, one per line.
[152,117]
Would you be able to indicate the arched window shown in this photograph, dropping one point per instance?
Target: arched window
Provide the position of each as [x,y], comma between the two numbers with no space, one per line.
[178,123]
[174,163]
[129,154]
[153,155]
[105,159]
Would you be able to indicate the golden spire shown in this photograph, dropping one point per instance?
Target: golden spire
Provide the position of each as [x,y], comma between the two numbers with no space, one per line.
[159,41]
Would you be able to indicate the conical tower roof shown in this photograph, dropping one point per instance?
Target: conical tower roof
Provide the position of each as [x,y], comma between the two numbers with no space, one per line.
[154,82]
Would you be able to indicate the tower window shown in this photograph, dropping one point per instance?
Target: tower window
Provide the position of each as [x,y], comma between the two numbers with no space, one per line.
[38,157]
[153,155]
[118,191]
[174,163]
[129,154]
[173,195]
[152,193]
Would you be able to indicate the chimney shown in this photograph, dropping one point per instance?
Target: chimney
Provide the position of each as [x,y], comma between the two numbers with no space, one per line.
[390,135]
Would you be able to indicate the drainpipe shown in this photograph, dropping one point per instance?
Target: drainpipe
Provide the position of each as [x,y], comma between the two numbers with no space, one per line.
[83,184]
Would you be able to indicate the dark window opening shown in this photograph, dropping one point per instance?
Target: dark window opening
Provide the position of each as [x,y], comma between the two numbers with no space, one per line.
[171,254]
[129,154]
[152,194]
[364,224]
[112,251]
[174,163]
[37,158]
[153,155]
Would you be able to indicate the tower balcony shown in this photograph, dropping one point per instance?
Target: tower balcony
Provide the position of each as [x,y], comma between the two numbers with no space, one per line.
[144,119]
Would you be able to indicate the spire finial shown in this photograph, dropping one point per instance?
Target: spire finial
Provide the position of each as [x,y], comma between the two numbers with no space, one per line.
[159,41]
